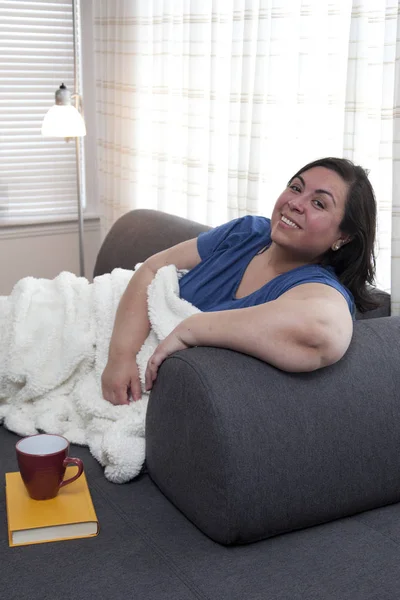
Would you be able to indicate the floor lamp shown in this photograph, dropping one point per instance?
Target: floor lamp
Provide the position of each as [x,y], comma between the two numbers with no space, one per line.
[65,120]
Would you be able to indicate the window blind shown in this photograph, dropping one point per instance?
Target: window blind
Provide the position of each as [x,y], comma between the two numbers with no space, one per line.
[37,174]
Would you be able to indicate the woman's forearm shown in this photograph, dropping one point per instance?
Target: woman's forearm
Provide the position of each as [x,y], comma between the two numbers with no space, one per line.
[120,379]
[131,325]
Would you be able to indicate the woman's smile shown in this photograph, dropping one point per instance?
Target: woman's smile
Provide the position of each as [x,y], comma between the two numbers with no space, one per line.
[288,223]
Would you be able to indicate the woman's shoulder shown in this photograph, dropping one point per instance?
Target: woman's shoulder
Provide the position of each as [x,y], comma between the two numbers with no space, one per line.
[254,223]
[248,230]
[316,273]
[249,226]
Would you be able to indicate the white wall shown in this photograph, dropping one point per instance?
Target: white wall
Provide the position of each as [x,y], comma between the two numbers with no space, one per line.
[45,250]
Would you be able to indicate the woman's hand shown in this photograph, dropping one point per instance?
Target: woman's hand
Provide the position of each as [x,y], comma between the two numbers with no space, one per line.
[172,343]
[120,380]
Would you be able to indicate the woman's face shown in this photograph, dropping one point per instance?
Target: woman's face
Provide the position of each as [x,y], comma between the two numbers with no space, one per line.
[307,214]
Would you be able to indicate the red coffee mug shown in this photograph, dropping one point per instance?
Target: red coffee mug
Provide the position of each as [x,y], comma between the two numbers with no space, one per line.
[42,460]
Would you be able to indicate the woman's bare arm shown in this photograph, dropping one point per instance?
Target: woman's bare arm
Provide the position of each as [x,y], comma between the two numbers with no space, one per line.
[306,328]
[131,326]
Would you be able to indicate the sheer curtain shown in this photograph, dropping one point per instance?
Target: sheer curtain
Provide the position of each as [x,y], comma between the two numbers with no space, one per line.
[207,107]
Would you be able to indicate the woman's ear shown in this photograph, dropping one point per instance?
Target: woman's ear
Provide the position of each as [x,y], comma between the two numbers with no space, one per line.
[345,239]
[342,241]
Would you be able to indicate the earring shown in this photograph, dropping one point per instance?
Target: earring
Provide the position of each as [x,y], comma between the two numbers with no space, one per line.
[336,246]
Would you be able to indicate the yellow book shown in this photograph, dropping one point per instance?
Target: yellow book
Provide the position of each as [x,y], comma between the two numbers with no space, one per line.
[69,515]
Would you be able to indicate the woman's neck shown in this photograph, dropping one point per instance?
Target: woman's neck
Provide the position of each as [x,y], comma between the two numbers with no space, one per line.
[281,260]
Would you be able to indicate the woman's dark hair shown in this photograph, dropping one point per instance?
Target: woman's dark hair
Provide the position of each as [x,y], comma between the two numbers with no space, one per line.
[354,262]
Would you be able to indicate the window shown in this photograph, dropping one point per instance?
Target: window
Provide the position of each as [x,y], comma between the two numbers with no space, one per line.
[37,175]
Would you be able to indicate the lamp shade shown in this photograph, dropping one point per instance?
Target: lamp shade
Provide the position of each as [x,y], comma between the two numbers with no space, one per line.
[63,121]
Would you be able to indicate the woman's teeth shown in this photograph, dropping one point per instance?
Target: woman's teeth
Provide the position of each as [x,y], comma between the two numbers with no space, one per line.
[289,222]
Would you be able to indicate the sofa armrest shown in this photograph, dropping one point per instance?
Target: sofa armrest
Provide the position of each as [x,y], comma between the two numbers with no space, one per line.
[247,451]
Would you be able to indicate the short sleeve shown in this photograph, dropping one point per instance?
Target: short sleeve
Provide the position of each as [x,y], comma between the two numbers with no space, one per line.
[230,234]
[314,274]
[209,241]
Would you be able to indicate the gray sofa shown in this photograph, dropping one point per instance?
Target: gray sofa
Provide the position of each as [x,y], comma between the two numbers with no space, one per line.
[237,451]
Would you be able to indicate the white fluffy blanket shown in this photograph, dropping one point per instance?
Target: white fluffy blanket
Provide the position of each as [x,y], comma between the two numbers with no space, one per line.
[54,345]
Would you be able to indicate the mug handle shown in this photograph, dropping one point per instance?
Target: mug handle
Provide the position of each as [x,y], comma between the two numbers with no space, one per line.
[72,461]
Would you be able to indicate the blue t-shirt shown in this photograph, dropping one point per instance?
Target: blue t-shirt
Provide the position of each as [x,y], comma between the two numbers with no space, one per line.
[225,253]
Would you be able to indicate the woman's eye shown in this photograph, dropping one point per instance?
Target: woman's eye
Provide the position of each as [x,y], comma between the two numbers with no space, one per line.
[295,187]
[319,204]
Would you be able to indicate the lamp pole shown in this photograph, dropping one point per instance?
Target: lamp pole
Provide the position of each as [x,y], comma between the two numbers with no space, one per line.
[75,25]
[80,210]
[65,120]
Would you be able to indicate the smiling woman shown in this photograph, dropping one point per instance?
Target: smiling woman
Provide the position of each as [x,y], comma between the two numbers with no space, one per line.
[283,289]
[355,263]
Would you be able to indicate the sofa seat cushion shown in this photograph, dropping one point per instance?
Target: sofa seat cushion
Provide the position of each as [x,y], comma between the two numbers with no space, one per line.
[246,451]
[157,553]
